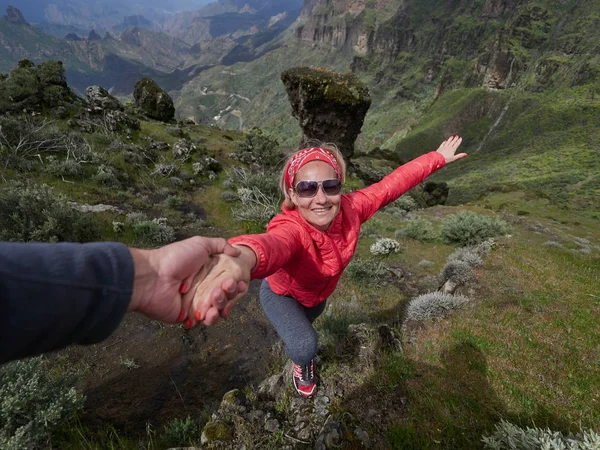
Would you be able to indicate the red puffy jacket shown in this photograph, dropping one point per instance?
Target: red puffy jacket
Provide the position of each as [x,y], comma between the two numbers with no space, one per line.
[304,263]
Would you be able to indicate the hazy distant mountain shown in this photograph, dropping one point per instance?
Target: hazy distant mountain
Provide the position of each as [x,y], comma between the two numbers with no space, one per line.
[98,14]
[233,18]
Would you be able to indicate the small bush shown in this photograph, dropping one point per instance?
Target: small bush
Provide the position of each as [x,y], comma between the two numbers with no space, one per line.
[153,232]
[259,196]
[229,197]
[421,230]
[468,228]
[65,168]
[179,433]
[433,305]
[206,166]
[165,169]
[107,176]
[33,403]
[509,436]
[259,148]
[36,213]
[385,246]
[459,272]
[467,255]
[366,271]
[404,203]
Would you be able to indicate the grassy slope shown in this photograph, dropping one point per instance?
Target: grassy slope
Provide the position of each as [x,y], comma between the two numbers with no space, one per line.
[544,142]
[526,351]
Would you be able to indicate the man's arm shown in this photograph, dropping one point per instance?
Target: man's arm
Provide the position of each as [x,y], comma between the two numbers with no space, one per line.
[52,295]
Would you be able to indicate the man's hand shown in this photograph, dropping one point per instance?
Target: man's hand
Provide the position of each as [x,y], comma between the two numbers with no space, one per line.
[448,149]
[163,275]
[221,269]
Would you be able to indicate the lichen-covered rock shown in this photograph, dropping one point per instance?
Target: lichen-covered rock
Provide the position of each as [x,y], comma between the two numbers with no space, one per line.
[153,100]
[330,106]
[99,99]
[272,387]
[216,431]
[330,436]
[233,401]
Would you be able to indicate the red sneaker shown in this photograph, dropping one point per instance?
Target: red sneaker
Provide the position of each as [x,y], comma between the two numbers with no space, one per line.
[304,379]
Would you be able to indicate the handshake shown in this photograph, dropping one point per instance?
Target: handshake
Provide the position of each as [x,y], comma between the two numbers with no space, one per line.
[197,280]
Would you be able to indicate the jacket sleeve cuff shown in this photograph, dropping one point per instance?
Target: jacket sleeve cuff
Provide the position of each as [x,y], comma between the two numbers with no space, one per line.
[260,269]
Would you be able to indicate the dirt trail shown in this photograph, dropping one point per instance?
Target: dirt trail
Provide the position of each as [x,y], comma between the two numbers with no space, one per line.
[180,371]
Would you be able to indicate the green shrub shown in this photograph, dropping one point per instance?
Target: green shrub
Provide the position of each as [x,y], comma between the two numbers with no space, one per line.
[259,148]
[469,228]
[155,232]
[258,193]
[35,87]
[36,213]
[509,436]
[33,403]
[405,203]
[107,176]
[179,433]
[420,229]
[64,168]
[366,271]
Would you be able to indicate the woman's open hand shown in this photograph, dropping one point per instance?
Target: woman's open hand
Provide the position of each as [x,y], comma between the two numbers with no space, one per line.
[448,149]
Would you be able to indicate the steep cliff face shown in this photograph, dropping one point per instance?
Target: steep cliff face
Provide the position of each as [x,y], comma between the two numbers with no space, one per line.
[346,24]
[454,42]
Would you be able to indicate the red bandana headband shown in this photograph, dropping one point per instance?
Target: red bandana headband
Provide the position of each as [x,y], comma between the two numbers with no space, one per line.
[305,156]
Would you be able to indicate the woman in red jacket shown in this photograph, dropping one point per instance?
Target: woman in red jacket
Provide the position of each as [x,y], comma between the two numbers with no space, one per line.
[307,247]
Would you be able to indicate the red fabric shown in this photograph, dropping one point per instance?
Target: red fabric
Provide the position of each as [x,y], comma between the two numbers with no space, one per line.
[305,156]
[304,263]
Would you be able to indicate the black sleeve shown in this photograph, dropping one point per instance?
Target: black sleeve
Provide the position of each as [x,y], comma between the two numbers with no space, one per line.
[52,295]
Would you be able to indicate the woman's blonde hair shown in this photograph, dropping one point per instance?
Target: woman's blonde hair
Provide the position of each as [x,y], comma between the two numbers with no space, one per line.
[331,148]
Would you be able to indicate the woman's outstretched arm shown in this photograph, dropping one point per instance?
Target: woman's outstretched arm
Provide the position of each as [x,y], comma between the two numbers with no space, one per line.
[369,200]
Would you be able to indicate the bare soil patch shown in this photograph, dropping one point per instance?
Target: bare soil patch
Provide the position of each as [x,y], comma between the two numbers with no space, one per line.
[179,372]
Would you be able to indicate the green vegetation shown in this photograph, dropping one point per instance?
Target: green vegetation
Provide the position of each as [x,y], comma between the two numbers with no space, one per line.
[420,229]
[32,213]
[35,403]
[33,88]
[468,228]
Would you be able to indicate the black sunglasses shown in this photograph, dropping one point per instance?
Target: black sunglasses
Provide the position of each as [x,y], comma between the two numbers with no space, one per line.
[307,189]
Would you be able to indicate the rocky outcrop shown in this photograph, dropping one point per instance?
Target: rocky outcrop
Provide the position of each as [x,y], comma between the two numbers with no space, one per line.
[330,106]
[103,113]
[13,15]
[273,409]
[153,100]
[100,100]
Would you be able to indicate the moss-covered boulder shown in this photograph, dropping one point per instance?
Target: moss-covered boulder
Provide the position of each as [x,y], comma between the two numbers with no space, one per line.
[330,106]
[216,431]
[153,100]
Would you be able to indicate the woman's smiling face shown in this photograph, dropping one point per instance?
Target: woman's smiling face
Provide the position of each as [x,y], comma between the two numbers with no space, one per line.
[321,209]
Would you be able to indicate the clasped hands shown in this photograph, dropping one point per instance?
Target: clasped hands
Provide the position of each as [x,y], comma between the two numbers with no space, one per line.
[193,281]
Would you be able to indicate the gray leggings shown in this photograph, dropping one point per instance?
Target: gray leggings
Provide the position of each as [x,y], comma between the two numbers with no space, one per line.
[293,323]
